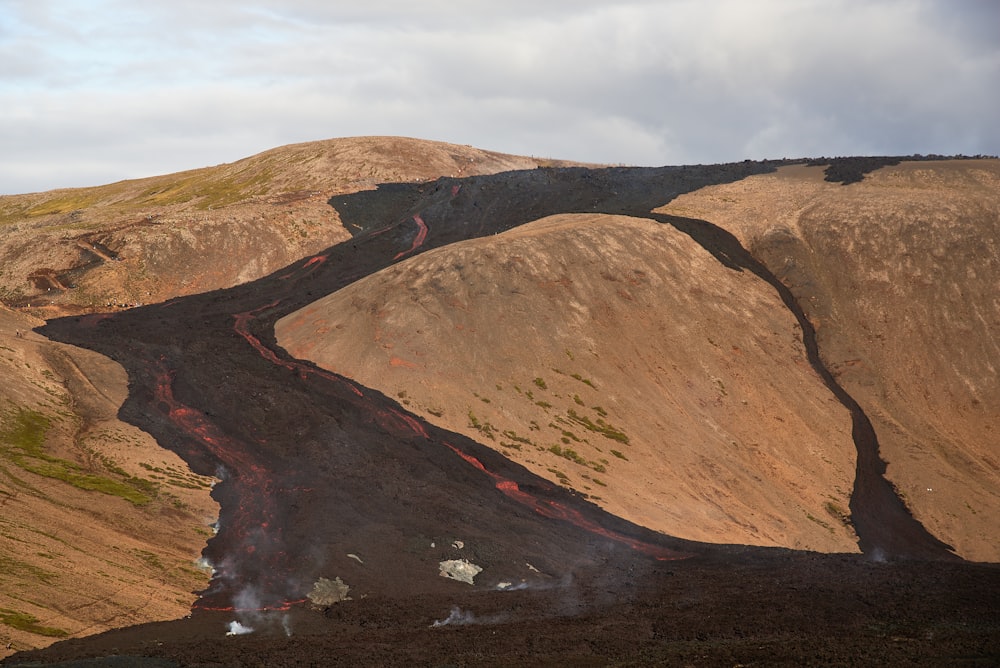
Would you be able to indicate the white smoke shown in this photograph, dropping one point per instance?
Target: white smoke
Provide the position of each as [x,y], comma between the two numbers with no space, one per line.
[878,555]
[203,564]
[237,629]
[459,617]
[247,599]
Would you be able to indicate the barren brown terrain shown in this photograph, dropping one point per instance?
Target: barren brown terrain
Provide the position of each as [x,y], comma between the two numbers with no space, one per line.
[148,240]
[900,274]
[100,526]
[709,415]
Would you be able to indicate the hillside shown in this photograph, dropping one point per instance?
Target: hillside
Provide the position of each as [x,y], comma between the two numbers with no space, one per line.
[465,335]
[900,274]
[149,240]
[632,415]
[101,527]
[609,354]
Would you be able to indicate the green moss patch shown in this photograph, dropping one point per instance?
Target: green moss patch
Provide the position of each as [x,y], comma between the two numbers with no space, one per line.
[22,621]
[22,441]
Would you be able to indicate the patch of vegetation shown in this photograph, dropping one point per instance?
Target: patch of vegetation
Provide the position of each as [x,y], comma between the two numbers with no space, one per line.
[484,428]
[512,435]
[559,474]
[570,435]
[540,383]
[574,456]
[211,192]
[838,513]
[568,453]
[22,440]
[22,621]
[543,404]
[585,381]
[820,522]
[619,455]
[578,400]
[600,411]
[66,202]
[150,559]
[601,427]
[10,566]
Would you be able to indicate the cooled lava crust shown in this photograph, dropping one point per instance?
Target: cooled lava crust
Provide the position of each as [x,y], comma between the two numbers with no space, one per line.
[324,478]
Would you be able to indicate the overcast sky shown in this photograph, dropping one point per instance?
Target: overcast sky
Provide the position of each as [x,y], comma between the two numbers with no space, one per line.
[94,91]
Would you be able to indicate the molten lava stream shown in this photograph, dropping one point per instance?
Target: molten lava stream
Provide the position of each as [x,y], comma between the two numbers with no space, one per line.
[242,327]
[419,240]
[255,566]
[558,511]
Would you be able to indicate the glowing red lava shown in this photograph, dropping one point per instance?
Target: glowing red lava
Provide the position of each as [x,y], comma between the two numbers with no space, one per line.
[279,607]
[252,520]
[311,264]
[558,511]
[242,328]
[418,240]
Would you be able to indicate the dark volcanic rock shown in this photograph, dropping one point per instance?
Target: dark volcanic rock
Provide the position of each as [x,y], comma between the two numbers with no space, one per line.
[325,478]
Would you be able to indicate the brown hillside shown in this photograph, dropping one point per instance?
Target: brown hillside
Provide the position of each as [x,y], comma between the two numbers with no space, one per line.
[900,274]
[148,240]
[100,527]
[616,356]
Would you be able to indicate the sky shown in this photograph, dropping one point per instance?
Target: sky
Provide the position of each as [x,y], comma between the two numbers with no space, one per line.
[96,91]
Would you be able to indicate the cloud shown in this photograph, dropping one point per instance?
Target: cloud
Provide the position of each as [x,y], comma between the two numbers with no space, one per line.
[110,89]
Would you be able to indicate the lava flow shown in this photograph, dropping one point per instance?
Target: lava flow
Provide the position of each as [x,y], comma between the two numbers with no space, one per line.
[251,522]
[419,239]
[558,511]
[316,468]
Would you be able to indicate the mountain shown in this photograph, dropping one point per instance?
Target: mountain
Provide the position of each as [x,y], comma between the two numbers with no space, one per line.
[148,240]
[648,414]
